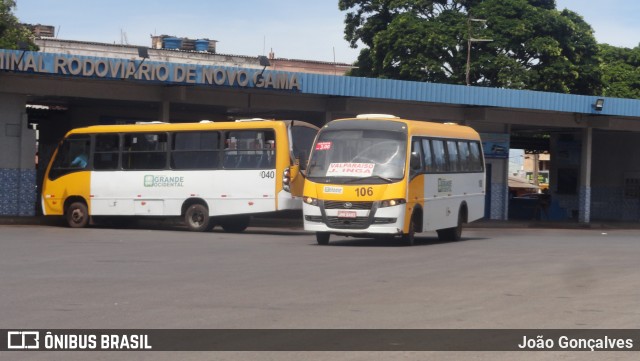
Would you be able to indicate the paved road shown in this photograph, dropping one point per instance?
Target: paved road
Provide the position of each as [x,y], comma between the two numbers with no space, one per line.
[56,277]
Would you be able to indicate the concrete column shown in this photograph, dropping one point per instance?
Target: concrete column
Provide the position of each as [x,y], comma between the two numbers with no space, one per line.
[499,207]
[505,179]
[328,116]
[17,158]
[165,111]
[584,192]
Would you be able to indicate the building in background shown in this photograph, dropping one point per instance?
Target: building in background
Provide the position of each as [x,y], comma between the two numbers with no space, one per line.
[179,50]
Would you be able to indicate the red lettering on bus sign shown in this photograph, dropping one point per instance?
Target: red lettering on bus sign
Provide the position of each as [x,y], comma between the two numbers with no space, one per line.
[323,145]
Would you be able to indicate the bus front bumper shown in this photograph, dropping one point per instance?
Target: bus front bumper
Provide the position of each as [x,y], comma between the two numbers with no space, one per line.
[388,220]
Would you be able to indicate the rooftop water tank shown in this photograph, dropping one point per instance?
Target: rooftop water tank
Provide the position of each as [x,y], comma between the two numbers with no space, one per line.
[172,43]
[202,45]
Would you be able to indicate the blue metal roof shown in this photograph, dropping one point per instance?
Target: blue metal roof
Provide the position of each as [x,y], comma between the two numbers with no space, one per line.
[307,83]
[464,95]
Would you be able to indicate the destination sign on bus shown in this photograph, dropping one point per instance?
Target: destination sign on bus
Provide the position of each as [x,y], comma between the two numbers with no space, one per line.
[350,169]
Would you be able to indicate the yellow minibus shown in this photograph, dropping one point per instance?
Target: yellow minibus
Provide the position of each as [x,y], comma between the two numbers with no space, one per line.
[379,175]
[207,173]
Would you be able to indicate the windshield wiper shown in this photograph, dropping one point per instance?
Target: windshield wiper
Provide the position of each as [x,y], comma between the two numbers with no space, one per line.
[388,180]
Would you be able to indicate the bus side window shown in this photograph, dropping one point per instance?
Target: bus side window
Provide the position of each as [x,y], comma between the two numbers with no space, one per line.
[249,149]
[454,162]
[428,158]
[439,156]
[465,157]
[268,157]
[476,157]
[106,152]
[415,163]
[195,150]
[144,151]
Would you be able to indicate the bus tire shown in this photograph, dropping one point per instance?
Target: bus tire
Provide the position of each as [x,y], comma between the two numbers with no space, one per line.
[197,218]
[235,224]
[77,215]
[454,233]
[323,238]
[211,225]
[409,238]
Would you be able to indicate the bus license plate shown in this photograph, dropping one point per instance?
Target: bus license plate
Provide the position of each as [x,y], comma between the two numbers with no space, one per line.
[346,214]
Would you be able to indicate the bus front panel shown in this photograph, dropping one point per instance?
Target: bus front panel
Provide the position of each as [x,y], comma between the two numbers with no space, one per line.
[365,208]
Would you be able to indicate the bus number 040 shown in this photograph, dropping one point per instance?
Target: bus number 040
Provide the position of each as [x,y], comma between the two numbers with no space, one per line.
[268,174]
[364,191]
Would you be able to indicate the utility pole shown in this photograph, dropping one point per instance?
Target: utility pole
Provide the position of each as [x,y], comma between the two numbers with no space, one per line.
[536,168]
[470,40]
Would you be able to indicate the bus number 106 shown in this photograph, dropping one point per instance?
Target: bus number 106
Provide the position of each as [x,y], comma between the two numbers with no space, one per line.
[364,191]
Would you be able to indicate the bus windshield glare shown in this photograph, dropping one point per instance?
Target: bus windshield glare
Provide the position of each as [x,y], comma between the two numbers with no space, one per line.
[356,155]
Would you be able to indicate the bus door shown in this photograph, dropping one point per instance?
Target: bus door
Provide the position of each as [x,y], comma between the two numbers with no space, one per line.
[436,184]
[247,183]
[415,196]
[301,138]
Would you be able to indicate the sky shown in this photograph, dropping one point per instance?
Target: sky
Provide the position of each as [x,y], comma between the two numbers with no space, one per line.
[294,29]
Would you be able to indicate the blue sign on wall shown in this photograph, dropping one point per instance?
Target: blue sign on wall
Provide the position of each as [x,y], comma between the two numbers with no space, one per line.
[495,145]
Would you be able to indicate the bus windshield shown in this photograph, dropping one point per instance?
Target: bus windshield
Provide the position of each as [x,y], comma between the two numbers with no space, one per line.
[358,156]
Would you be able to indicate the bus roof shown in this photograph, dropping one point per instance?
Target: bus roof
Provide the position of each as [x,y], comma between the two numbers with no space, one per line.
[166,127]
[420,127]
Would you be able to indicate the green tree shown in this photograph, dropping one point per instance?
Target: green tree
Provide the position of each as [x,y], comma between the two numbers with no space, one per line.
[621,71]
[534,46]
[11,31]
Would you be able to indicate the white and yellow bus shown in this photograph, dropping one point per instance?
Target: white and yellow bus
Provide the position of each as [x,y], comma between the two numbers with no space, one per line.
[379,175]
[208,173]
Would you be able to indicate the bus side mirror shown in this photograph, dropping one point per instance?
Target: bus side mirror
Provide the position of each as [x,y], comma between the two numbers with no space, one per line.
[294,170]
[293,182]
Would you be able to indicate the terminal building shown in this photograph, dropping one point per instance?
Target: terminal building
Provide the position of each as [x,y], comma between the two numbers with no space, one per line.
[593,142]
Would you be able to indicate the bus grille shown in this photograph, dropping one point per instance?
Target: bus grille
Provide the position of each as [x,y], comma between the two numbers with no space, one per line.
[350,223]
[341,205]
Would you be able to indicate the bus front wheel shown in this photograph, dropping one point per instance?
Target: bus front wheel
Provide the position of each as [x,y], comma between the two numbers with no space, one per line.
[197,218]
[77,215]
[409,238]
[323,238]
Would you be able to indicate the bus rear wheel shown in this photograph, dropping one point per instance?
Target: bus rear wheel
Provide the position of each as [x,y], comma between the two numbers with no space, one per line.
[197,218]
[235,224]
[454,233]
[77,215]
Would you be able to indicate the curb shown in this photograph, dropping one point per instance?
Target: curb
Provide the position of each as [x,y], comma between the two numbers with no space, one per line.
[295,223]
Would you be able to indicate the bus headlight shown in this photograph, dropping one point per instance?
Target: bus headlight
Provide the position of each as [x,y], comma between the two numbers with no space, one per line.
[392,202]
[310,201]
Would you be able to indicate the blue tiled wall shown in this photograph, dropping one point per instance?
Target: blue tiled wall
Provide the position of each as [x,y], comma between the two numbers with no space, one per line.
[17,192]
[609,203]
[499,201]
[584,196]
